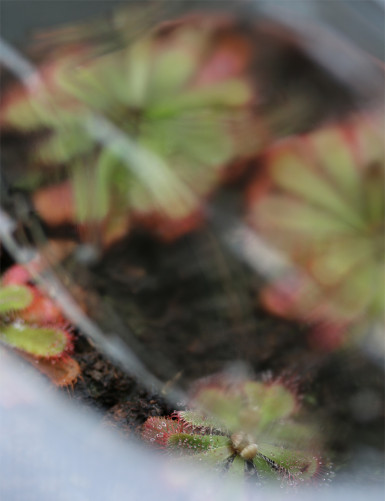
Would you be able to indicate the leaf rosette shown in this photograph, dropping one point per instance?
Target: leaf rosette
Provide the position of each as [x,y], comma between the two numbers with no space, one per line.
[146,130]
[320,200]
[248,429]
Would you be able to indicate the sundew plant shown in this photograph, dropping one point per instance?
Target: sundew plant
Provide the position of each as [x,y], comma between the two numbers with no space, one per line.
[33,324]
[146,129]
[248,430]
[320,200]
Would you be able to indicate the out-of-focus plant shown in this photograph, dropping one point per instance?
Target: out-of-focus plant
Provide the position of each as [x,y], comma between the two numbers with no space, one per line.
[147,130]
[32,323]
[320,200]
[245,428]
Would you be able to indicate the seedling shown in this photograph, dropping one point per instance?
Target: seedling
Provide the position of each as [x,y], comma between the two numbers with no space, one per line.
[246,429]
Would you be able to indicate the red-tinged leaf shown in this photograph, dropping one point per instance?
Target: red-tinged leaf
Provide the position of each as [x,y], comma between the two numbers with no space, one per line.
[50,254]
[55,204]
[166,228]
[284,298]
[16,275]
[327,337]
[261,436]
[230,57]
[43,103]
[320,200]
[63,371]
[300,298]
[183,94]
[195,443]
[42,310]
[196,420]
[157,430]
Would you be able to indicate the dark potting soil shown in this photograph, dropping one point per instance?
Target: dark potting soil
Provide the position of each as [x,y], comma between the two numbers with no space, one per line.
[120,400]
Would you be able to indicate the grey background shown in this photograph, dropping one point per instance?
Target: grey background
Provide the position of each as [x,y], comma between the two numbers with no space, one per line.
[362,21]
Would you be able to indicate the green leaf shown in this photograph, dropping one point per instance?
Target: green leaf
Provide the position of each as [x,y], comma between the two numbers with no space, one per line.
[14,297]
[170,71]
[154,183]
[23,114]
[30,181]
[335,258]
[63,144]
[273,401]
[281,213]
[374,195]
[355,294]
[82,192]
[291,435]
[195,442]
[222,406]
[301,464]
[215,457]
[265,469]
[96,185]
[106,167]
[199,420]
[40,110]
[237,467]
[336,159]
[38,341]
[230,93]
[137,70]
[197,135]
[88,82]
[292,173]
[378,299]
